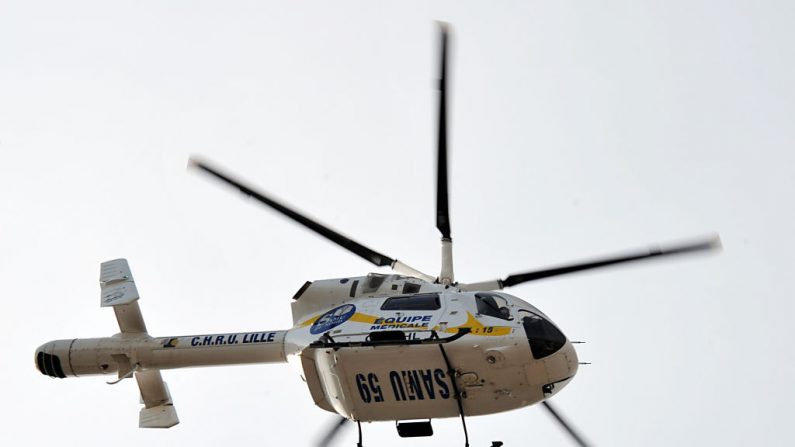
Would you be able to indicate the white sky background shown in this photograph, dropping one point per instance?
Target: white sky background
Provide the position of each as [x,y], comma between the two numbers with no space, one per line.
[577,129]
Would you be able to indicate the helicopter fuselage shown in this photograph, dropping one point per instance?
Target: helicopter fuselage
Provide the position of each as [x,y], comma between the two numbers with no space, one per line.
[511,356]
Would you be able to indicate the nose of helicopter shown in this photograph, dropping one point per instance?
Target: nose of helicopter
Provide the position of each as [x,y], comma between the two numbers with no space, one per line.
[550,348]
[561,368]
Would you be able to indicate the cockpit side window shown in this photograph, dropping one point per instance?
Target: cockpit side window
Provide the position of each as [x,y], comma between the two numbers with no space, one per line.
[422,301]
[492,305]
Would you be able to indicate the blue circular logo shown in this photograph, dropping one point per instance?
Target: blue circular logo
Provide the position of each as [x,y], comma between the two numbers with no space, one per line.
[333,318]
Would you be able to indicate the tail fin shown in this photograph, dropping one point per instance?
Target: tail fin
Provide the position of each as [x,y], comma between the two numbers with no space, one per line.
[118,291]
[158,411]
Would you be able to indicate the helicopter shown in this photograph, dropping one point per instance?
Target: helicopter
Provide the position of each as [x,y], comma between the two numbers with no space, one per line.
[404,346]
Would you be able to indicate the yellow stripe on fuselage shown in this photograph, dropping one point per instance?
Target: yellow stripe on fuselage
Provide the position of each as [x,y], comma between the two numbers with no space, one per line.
[478,328]
[309,321]
[475,326]
[363,318]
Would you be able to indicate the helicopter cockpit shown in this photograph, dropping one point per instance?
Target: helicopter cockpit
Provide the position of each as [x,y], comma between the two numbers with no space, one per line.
[493,305]
[544,337]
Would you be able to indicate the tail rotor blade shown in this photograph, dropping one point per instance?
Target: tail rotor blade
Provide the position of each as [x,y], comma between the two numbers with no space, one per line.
[566,426]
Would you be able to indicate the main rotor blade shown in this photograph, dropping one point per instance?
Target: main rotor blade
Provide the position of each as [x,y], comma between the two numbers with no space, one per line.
[442,211]
[343,241]
[332,432]
[651,252]
[576,436]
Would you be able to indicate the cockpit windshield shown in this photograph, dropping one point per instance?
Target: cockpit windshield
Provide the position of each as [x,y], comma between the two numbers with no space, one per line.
[545,339]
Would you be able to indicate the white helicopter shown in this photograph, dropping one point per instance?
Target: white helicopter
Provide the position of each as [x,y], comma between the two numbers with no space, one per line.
[406,347]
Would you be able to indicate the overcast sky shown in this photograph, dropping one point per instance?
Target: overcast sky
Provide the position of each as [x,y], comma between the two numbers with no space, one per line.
[577,129]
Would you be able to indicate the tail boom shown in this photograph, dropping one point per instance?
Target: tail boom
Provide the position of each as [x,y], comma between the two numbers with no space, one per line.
[122,353]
